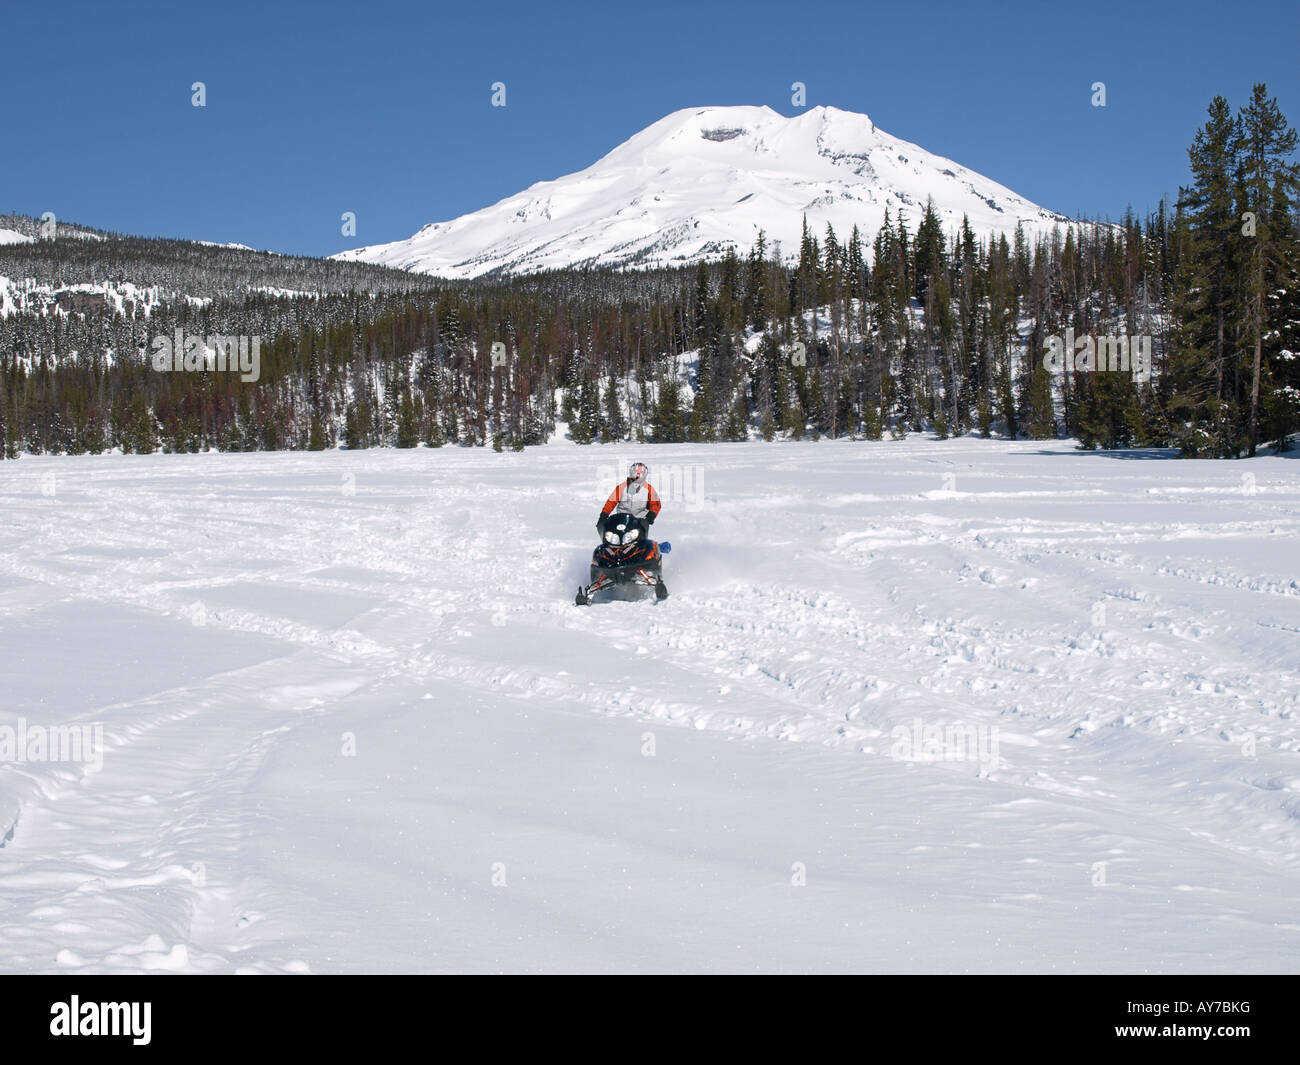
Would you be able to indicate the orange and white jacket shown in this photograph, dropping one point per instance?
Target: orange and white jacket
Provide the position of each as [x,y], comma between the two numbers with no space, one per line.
[634,499]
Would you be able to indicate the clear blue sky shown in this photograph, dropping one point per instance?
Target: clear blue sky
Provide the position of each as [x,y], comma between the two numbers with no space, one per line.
[383,108]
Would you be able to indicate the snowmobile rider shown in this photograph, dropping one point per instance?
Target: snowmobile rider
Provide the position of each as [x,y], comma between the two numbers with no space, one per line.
[635,496]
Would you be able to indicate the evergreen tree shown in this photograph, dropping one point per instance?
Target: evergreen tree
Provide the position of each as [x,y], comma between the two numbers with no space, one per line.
[666,425]
[615,425]
[1270,182]
[586,425]
[408,422]
[1202,372]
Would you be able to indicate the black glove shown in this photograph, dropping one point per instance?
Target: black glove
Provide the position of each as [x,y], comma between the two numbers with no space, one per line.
[650,516]
[600,524]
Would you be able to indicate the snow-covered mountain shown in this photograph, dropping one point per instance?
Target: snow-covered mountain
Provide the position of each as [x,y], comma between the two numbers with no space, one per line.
[705,179]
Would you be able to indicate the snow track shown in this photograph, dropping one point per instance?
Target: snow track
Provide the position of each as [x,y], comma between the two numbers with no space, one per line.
[352,721]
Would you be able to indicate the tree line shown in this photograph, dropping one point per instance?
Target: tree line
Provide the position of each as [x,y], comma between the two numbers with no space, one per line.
[922,330]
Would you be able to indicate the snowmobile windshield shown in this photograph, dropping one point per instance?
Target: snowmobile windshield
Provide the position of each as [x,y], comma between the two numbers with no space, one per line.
[623,529]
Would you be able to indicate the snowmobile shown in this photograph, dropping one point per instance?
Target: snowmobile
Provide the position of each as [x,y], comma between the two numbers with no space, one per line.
[627,557]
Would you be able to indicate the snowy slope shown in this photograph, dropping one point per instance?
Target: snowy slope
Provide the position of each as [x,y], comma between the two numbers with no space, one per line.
[705,179]
[27,294]
[339,736]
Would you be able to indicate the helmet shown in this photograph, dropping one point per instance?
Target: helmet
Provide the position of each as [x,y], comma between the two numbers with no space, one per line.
[638,472]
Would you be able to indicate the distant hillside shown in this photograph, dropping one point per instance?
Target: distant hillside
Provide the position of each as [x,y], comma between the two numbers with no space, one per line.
[79,255]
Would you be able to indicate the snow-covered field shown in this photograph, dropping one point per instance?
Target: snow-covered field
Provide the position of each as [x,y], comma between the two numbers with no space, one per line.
[912,706]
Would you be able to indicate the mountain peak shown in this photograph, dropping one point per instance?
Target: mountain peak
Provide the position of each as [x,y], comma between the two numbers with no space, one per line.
[703,180]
